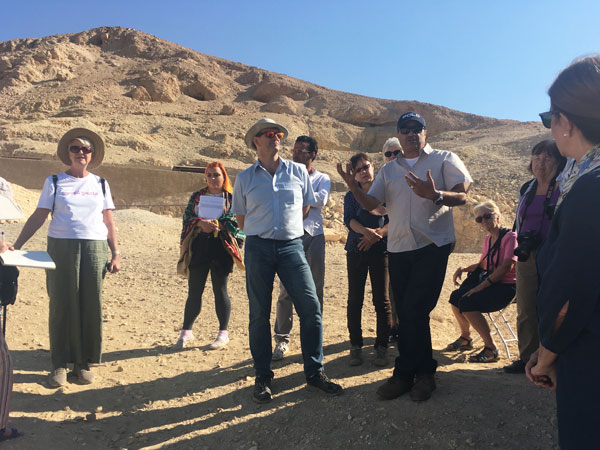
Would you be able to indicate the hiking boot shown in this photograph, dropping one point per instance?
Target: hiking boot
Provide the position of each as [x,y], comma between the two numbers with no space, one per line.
[380,356]
[58,377]
[320,382]
[393,388]
[423,387]
[517,366]
[355,356]
[262,389]
[84,374]
[281,349]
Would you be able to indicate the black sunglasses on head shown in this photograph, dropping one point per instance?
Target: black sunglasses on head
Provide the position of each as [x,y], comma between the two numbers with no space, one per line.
[389,153]
[547,117]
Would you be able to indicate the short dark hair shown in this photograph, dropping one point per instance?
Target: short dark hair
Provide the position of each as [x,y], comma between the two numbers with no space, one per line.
[549,147]
[356,158]
[312,144]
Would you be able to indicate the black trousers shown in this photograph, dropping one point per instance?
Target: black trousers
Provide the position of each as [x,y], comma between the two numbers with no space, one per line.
[417,277]
[358,265]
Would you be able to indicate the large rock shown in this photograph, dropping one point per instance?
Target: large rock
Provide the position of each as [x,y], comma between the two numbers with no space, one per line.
[281,105]
[161,87]
[272,87]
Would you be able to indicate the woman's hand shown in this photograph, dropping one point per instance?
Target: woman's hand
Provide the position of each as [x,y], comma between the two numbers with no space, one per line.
[456,278]
[115,263]
[5,246]
[207,226]
[480,287]
[370,236]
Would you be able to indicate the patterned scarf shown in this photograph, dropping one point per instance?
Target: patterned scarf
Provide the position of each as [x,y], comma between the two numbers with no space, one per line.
[573,170]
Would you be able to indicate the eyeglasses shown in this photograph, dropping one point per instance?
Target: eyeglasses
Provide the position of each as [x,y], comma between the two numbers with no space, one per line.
[547,117]
[271,134]
[364,168]
[76,149]
[213,175]
[486,216]
[389,153]
[416,130]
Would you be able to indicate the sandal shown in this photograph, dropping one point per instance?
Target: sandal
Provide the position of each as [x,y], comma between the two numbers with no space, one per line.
[14,433]
[482,357]
[459,346]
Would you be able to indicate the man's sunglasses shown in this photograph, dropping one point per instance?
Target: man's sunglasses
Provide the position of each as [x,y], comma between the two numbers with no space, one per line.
[76,149]
[547,117]
[389,153]
[271,134]
[364,168]
[486,216]
[416,130]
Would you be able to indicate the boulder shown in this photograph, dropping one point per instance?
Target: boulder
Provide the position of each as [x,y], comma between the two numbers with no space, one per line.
[161,87]
[281,105]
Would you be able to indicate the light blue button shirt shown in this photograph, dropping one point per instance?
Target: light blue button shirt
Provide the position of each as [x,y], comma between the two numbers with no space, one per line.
[321,184]
[272,205]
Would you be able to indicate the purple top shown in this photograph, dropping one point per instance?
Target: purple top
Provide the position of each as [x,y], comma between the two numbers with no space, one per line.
[535,219]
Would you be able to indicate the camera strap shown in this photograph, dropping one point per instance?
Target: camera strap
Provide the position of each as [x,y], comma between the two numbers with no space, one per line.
[531,196]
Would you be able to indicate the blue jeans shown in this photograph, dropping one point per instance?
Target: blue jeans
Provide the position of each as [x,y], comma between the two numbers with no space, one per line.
[264,258]
[314,250]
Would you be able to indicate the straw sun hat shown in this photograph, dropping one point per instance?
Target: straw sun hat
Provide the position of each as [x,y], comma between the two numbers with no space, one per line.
[261,125]
[94,138]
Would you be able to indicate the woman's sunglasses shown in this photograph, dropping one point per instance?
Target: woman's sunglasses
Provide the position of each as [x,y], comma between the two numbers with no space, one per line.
[76,149]
[389,153]
[364,168]
[547,117]
[486,216]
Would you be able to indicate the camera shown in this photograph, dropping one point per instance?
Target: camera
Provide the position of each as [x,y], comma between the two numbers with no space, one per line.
[528,241]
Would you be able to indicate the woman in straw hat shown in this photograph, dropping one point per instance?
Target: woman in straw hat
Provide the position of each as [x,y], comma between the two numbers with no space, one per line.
[79,235]
[209,244]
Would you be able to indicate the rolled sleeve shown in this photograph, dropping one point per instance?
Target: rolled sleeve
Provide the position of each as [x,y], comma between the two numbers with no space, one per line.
[454,171]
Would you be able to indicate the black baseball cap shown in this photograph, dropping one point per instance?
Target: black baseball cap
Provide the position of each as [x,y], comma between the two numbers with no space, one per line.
[407,117]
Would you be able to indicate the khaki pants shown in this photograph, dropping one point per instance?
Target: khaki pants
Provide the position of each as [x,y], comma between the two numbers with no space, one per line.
[527,322]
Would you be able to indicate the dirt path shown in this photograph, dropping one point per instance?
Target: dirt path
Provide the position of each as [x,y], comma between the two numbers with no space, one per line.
[146,397]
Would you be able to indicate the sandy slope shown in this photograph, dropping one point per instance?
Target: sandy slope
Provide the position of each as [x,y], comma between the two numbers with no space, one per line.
[148,397]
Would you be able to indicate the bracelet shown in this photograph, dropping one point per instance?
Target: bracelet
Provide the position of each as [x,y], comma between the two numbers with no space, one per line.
[116,252]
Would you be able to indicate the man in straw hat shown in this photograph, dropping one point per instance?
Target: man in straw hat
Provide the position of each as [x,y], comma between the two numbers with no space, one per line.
[270,199]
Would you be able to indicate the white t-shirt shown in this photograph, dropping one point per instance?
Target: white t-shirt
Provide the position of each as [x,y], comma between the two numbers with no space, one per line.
[78,207]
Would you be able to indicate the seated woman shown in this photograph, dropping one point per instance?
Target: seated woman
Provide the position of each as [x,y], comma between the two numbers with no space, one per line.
[480,293]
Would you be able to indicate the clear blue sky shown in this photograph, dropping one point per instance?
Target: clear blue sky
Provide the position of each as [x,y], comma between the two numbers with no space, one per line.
[494,58]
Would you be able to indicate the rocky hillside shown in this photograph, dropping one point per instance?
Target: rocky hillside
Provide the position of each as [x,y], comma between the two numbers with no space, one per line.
[157,103]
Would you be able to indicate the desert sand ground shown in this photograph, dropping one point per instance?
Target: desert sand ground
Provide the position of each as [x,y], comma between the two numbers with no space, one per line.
[148,397]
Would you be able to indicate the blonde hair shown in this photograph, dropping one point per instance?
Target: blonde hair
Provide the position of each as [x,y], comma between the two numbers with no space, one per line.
[394,141]
[487,205]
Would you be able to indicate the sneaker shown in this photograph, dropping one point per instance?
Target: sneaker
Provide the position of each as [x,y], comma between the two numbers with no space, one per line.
[184,338]
[355,356]
[517,366]
[58,377]
[423,387]
[84,374]
[320,382]
[281,349]
[393,334]
[262,390]
[221,341]
[393,388]
[380,356]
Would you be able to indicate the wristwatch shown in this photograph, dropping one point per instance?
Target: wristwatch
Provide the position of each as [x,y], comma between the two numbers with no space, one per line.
[439,200]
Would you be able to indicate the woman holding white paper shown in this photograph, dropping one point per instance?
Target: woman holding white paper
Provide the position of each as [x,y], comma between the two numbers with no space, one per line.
[208,235]
[80,233]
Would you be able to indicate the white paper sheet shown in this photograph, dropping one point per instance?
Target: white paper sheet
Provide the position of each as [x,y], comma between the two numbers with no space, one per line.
[9,210]
[210,207]
[24,258]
